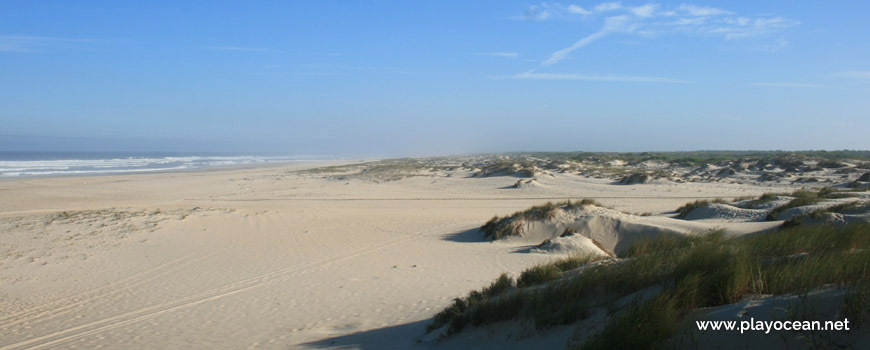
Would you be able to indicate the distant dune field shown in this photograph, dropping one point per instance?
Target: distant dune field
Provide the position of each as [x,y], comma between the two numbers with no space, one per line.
[314,255]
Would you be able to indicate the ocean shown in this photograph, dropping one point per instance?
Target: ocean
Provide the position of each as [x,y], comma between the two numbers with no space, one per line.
[19,164]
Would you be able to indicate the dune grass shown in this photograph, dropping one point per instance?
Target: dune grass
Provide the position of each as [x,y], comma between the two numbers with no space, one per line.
[547,272]
[830,193]
[823,214]
[763,199]
[498,300]
[511,225]
[801,198]
[521,168]
[701,203]
[684,273]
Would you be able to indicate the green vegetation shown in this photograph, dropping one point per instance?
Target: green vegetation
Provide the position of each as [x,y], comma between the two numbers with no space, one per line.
[848,207]
[804,198]
[823,214]
[669,276]
[600,165]
[701,203]
[707,157]
[547,272]
[831,193]
[831,164]
[386,170]
[509,168]
[801,198]
[763,199]
[498,292]
[857,304]
[460,305]
[503,227]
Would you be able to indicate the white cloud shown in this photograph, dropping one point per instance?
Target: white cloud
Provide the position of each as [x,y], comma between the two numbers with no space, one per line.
[644,11]
[651,20]
[608,6]
[538,12]
[546,11]
[787,85]
[611,25]
[614,78]
[690,21]
[578,10]
[686,18]
[641,20]
[741,27]
[693,10]
[557,56]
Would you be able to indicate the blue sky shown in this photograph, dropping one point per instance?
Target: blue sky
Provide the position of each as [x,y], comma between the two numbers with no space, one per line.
[433,77]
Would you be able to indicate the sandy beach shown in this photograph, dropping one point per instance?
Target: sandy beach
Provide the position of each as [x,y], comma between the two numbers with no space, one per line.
[434,175]
[267,257]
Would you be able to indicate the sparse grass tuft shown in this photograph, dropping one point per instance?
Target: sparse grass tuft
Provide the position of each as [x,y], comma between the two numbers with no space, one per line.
[763,199]
[848,207]
[503,227]
[822,214]
[522,168]
[801,198]
[831,193]
[701,203]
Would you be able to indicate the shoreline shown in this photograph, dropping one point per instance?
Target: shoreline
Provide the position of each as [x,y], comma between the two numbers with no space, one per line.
[232,167]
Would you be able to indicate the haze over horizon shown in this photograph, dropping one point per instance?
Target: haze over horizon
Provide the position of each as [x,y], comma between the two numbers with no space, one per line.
[427,78]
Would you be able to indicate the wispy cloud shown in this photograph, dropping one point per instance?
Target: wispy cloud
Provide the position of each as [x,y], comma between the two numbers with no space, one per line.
[502,54]
[649,20]
[787,85]
[742,27]
[237,48]
[576,9]
[531,75]
[693,10]
[557,56]
[853,75]
[608,6]
[537,13]
[552,11]
[611,25]
[645,11]
[28,44]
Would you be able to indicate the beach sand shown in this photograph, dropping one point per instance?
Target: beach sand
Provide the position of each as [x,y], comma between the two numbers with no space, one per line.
[267,257]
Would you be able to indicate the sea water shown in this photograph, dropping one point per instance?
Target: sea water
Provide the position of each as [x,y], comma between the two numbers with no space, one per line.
[16,164]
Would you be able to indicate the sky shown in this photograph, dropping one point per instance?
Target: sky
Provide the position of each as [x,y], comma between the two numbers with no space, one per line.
[433,77]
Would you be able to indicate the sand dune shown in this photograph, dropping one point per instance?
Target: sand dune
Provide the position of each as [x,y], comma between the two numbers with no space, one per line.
[276,258]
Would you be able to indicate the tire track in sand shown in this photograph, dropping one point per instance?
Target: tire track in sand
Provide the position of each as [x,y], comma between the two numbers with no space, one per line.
[255,282]
[63,306]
